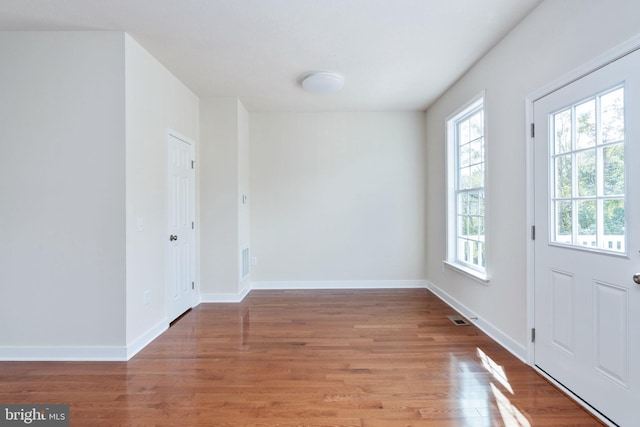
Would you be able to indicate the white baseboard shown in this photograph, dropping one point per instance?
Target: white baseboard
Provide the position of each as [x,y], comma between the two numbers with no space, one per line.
[224,297]
[145,339]
[312,284]
[81,353]
[496,334]
[340,284]
[57,353]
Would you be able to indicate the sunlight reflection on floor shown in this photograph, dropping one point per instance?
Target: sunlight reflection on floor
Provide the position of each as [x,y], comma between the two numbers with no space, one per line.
[511,416]
[494,369]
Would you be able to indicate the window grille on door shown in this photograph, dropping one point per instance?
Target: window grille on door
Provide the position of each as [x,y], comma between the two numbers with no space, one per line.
[587,145]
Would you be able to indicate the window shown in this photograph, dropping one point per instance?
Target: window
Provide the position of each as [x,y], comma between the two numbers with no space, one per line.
[587,171]
[466,168]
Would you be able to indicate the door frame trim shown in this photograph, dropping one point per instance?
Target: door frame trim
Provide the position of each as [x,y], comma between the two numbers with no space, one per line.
[194,296]
[589,67]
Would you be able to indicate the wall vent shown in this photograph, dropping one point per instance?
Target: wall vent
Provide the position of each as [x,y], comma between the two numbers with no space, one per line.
[244,273]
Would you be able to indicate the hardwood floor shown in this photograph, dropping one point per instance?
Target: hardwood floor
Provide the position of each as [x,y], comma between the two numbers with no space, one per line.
[366,358]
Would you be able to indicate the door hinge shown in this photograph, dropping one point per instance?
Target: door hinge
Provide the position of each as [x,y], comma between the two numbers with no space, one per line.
[193,162]
[193,225]
[533,232]
[533,334]
[193,285]
[533,130]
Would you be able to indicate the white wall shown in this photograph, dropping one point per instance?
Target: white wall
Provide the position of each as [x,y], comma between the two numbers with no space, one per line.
[85,116]
[557,37]
[337,196]
[155,101]
[224,177]
[62,184]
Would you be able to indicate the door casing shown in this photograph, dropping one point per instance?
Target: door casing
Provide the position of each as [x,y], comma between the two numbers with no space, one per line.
[192,202]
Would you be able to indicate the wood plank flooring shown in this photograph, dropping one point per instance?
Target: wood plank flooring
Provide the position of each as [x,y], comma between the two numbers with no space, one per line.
[357,358]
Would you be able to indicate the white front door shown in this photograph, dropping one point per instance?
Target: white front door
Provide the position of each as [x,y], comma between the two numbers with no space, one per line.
[587,217]
[181,217]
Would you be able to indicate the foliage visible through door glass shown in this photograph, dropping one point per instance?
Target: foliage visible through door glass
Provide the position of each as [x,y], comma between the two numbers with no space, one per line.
[587,219]
[586,124]
[612,107]
[562,125]
[589,173]
[563,218]
[564,172]
[613,170]
[586,161]
[614,217]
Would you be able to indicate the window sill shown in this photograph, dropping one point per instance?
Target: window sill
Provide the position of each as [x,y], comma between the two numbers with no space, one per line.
[479,277]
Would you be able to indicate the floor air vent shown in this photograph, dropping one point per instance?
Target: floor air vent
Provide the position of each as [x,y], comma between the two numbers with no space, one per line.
[458,320]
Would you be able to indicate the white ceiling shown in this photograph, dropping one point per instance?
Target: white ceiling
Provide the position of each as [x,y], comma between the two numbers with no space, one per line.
[395,55]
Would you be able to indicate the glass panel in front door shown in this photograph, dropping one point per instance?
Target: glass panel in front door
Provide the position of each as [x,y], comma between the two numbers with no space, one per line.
[588,173]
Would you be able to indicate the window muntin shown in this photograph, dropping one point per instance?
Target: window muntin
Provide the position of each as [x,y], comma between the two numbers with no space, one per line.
[587,171]
[466,239]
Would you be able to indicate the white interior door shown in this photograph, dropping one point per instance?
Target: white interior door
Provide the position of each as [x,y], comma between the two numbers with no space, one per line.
[181,234]
[587,216]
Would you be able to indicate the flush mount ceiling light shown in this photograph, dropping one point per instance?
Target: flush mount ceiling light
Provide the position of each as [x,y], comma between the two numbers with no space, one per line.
[323,82]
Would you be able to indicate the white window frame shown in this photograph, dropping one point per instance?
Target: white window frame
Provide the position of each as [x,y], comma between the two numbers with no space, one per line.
[478,274]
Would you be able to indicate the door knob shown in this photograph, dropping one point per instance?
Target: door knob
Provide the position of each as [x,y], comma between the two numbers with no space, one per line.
[636,278]
[174,237]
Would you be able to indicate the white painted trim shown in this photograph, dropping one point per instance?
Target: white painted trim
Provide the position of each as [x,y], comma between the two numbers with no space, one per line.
[452,186]
[493,332]
[224,297]
[193,198]
[606,58]
[181,137]
[145,339]
[311,284]
[472,274]
[340,284]
[83,353]
[530,218]
[57,353]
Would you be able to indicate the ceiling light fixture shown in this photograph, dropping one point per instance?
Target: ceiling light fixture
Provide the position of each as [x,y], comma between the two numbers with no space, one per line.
[323,82]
